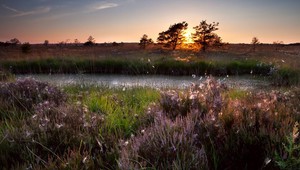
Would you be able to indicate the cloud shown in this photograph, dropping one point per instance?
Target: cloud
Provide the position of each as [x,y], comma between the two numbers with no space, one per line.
[18,13]
[106,5]
[11,9]
[100,6]
[40,10]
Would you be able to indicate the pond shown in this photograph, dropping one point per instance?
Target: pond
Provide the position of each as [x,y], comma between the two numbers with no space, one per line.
[156,81]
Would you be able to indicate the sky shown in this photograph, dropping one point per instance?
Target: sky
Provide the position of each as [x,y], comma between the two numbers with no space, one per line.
[35,21]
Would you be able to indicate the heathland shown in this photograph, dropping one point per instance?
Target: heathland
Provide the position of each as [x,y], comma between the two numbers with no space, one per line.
[207,126]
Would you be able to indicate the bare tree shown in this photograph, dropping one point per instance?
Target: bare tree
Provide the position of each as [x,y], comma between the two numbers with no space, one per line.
[205,35]
[145,41]
[76,42]
[173,36]
[254,43]
[90,41]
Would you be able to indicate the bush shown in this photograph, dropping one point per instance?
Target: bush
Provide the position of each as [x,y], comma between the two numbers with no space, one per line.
[62,136]
[26,48]
[236,133]
[24,94]
[285,77]
[165,145]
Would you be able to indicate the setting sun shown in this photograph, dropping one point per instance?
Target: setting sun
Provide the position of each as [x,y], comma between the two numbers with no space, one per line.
[188,37]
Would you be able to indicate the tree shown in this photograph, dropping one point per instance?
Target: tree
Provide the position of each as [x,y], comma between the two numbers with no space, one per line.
[14,41]
[173,36]
[46,42]
[145,41]
[76,42]
[217,41]
[254,43]
[204,35]
[90,41]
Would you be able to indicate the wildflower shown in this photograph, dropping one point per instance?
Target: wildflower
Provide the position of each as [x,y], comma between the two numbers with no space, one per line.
[267,161]
[58,125]
[85,159]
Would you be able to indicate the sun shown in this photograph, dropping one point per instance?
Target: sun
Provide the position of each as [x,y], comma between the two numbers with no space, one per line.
[188,39]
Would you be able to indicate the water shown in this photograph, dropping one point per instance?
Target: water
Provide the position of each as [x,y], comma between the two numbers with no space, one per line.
[156,81]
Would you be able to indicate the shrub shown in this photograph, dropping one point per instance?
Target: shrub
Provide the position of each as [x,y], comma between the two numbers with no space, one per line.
[236,132]
[289,158]
[24,94]
[285,77]
[55,134]
[165,145]
[26,48]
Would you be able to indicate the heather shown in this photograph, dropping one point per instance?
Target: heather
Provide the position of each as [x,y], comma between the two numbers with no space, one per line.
[206,126]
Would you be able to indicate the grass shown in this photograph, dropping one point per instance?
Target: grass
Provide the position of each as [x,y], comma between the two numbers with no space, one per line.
[129,59]
[136,67]
[122,108]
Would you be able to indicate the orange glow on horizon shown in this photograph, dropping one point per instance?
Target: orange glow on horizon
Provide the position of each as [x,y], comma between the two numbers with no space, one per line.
[188,39]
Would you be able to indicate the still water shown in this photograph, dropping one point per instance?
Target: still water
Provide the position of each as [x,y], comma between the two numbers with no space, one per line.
[156,81]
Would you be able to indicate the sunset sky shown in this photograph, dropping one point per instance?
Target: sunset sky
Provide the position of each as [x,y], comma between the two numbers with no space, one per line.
[127,20]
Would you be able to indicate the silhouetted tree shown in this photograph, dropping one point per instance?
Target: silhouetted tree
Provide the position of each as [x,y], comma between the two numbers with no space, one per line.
[46,43]
[217,41]
[76,42]
[90,41]
[14,41]
[204,35]
[254,43]
[173,36]
[144,41]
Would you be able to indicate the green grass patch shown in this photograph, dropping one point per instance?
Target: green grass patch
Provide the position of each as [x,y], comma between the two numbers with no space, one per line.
[123,109]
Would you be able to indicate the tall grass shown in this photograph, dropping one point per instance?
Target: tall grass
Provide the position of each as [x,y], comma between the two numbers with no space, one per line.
[122,66]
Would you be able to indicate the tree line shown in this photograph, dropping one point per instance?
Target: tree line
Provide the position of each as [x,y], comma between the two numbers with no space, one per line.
[173,38]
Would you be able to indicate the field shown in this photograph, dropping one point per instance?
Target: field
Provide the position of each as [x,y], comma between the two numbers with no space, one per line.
[207,126]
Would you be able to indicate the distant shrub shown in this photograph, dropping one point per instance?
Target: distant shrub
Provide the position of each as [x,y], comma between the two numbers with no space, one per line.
[24,94]
[26,48]
[285,77]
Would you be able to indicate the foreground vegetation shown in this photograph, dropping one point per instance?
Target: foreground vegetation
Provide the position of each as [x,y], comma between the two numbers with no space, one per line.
[205,127]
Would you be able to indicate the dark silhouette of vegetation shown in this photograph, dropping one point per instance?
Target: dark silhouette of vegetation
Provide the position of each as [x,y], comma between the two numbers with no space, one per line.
[46,42]
[205,35]
[254,43]
[114,44]
[145,41]
[76,42]
[278,44]
[26,48]
[14,41]
[173,37]
[90,41]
